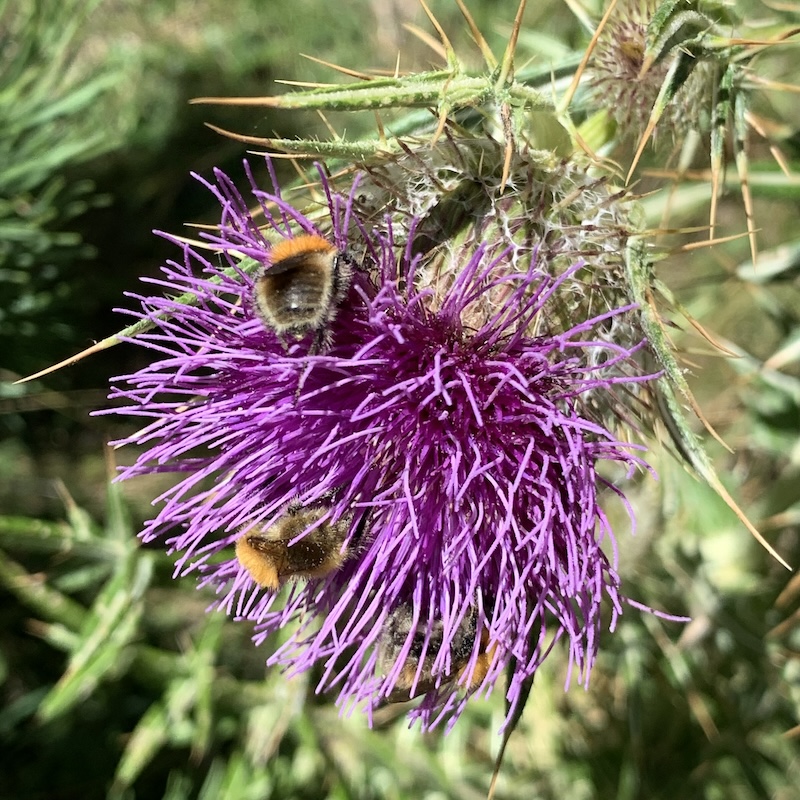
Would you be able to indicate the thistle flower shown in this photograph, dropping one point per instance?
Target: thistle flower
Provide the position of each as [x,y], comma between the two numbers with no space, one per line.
[452,448]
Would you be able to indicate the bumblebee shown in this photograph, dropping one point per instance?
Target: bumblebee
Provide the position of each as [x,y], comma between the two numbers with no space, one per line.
[299,291]
[271,560]
[393,640]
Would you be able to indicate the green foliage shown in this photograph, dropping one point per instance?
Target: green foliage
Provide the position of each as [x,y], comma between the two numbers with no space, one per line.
[92,93]
[50,120]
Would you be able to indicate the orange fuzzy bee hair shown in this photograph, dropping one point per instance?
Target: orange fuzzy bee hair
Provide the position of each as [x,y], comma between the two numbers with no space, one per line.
[299,246]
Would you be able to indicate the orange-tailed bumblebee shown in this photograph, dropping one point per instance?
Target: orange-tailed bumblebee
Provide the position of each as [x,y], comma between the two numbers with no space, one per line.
[299,291]
[271,561]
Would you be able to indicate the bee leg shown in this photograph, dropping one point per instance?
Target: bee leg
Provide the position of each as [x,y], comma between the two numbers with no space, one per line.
[321,343]
[360,528]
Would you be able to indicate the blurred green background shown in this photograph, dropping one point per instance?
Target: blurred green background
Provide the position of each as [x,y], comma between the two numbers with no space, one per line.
[113,680]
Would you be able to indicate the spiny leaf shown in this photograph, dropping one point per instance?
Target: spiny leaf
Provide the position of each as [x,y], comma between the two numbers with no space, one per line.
[108,630]
[247,265]
[421,89]
[638,268]
[38,596]
[309,148]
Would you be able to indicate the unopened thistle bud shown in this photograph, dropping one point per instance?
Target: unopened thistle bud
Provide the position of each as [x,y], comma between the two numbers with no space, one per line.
[619,86]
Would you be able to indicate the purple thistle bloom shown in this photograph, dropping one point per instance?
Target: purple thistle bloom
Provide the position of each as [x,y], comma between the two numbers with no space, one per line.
[462,456]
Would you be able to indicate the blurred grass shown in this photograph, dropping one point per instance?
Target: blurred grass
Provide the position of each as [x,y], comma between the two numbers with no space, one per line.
[114,682]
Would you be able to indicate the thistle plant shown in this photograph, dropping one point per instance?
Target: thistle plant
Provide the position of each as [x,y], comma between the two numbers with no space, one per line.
[428,481]
[497,344]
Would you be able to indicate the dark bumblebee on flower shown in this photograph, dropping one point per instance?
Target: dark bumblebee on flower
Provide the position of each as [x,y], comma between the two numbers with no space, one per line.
[418,647]
[299,290]
[303,543]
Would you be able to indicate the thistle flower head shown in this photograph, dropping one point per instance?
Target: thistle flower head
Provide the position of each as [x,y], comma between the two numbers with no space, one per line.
[450,446]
